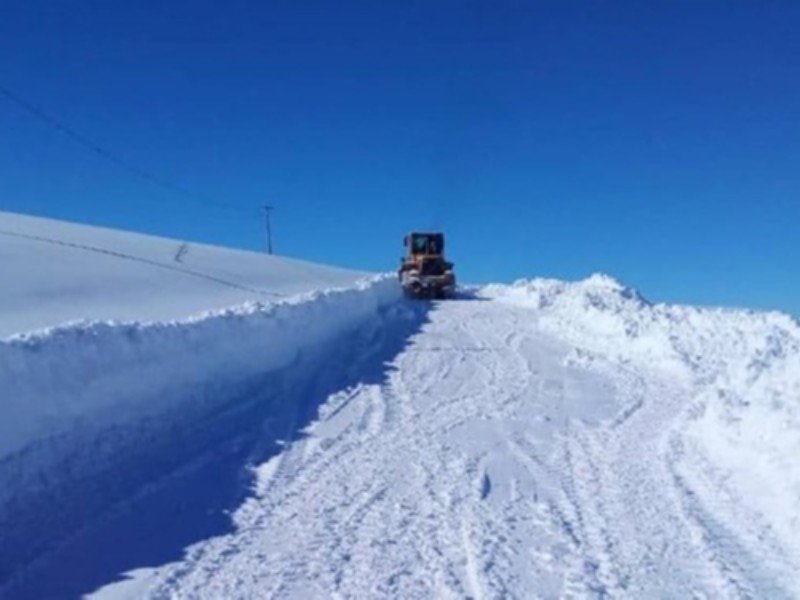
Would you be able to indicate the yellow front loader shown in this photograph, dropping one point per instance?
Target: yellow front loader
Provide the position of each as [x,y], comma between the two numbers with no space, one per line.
[424,273]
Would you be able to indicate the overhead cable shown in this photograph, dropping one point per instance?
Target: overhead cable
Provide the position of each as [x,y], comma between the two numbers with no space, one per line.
[122,163]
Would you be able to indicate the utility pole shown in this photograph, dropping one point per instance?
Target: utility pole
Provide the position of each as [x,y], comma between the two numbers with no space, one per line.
[267,213]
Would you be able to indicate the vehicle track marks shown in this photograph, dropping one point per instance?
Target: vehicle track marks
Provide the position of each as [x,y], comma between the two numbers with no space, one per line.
[491,462]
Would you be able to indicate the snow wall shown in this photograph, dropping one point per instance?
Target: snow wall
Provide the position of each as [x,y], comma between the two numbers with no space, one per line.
[74,399]
[57,378]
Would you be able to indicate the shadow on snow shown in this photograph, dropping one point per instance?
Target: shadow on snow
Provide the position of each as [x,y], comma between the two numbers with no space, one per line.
[179,485]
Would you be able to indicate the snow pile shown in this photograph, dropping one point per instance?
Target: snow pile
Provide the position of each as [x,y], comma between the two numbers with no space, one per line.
[748,425]
[598,315]
[743,368]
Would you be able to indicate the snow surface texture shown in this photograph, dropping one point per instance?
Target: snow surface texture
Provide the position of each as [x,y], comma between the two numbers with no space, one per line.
[736,444]
[52,272]
[544,439]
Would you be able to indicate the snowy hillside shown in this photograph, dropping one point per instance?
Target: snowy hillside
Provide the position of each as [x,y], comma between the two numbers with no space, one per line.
[53,272]
[545,439]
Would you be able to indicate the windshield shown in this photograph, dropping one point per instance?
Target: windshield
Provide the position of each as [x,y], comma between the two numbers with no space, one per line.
[427,243]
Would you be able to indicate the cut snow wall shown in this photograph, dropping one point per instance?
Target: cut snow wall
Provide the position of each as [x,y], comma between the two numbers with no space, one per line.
[56,379]
[87,411]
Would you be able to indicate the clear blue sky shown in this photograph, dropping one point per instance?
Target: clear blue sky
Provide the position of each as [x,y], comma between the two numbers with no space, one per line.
[656,141]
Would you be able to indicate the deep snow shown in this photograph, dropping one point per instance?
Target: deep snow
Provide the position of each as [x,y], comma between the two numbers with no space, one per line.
[743,417]
[543,439]
[53,272]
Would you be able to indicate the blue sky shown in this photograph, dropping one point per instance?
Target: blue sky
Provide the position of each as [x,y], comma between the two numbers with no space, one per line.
[656,141]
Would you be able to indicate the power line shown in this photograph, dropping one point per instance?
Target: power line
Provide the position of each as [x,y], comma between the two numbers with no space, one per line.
[122,163]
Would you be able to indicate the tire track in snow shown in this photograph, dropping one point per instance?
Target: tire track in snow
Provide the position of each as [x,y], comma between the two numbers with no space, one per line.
[474,583]
[589,524]
[627,475]
[487,464]
[743,574]
[433,539]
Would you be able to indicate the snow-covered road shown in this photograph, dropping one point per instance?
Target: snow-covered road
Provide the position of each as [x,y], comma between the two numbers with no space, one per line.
[490,461]
[184,421]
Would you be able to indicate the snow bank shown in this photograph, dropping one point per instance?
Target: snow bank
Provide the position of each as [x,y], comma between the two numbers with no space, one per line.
[743,368]
[54,378]
[598,315]
[90,413]
[65,388]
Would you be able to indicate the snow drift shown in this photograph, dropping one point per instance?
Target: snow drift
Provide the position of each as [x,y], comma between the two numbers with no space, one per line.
[743,421]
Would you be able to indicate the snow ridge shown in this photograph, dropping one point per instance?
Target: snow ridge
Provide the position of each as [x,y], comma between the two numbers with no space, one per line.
[740,430]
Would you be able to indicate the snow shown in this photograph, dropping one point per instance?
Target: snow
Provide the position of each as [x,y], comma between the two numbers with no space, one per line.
[742,420]
[53,272]
[116,370]
[76,394]
[260,427]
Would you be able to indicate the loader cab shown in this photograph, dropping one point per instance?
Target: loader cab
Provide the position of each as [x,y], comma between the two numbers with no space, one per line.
[424,244]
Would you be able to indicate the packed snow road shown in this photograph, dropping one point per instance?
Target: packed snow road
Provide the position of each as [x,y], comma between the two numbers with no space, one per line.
[490,460]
